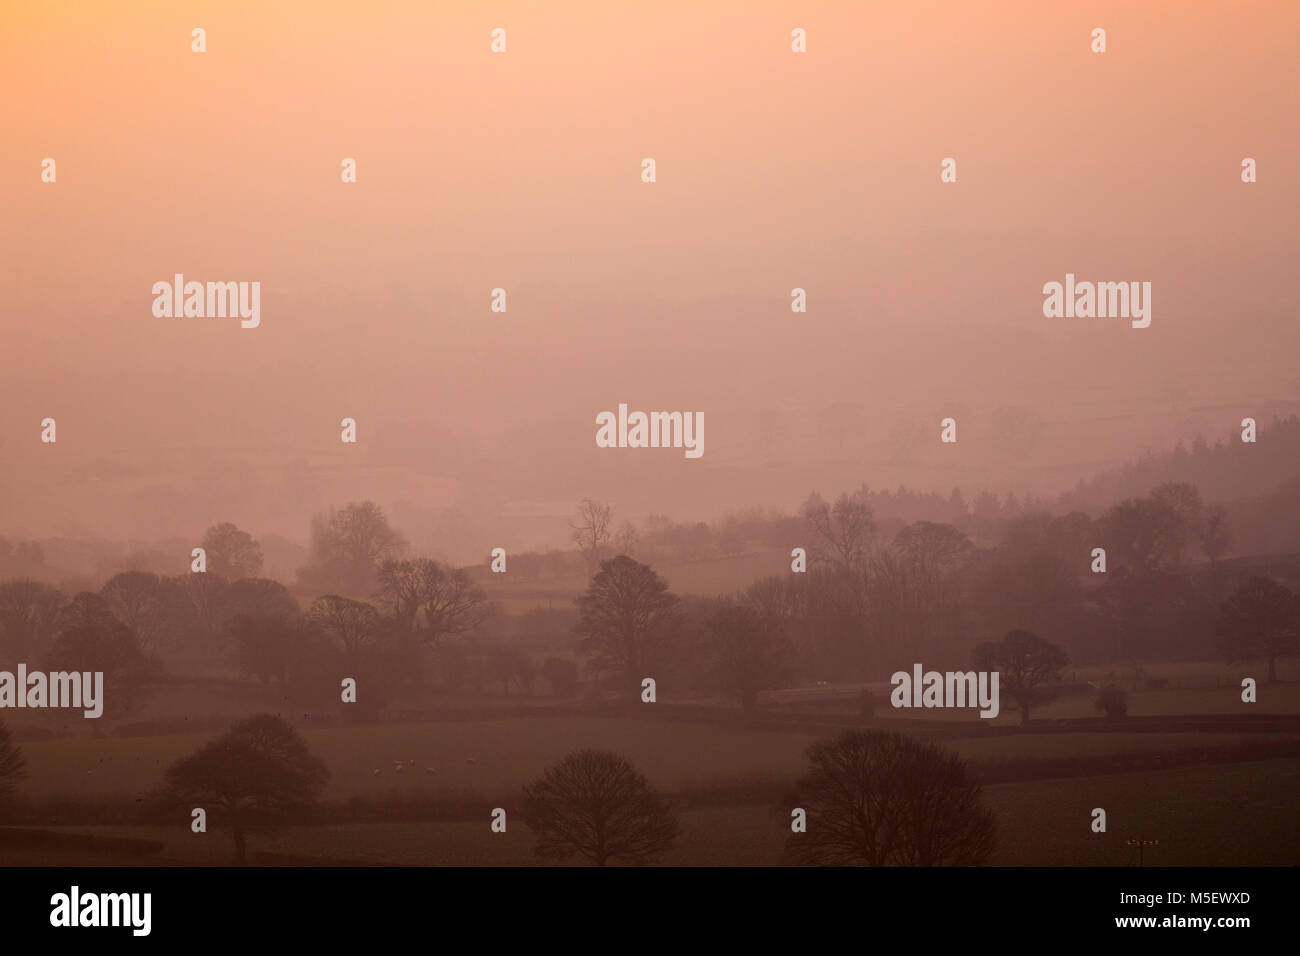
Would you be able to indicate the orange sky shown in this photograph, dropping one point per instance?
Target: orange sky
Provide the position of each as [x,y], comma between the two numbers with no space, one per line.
[521,170]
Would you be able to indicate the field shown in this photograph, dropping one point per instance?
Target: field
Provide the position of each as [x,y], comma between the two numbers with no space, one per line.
[674,755]
[724,775]
[1244,813]
[705,577]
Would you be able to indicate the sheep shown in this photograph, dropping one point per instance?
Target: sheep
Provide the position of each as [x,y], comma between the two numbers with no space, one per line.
[397,768]
[411,762]
[378,771]
[471,760]
[430,769]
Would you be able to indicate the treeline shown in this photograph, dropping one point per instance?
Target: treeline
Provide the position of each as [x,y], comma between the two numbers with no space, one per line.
[1145,581]
[1257,485]
[1226,471]
[1117,588]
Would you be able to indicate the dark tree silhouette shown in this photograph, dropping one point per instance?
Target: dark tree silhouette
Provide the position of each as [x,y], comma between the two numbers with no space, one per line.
[260,768]
[1151,533]
[595,804]
[258,597]
[1260,619]
[882,799]
[1024,662]
[138,600]
[746,651]
[627,620]
[12,765]
[431,600]
[937,548]
[231,553]
[352,625]
[347,548]
[591,530]
[93,640]
[845,530]
[29,613]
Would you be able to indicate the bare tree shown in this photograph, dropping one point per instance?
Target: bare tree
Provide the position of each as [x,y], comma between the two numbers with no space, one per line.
[401,589]
[448,600]
[94,640]
[1024,662]
[137,599]
[201,601]
[937,548]
[881,799]
[349,545]
[625,540]
[845,529]
[1260,619]
[260,766]
[29,615]
[231,553]
[352,625]
[12,765]
[746,651]
[595,804]
[591,531]
[258,597]
[627,620]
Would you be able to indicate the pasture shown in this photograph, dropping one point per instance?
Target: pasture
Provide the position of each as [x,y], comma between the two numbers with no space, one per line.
[1241,814]
[674,755]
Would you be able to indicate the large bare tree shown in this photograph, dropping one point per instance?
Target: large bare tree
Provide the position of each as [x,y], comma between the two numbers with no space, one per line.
[260,766]
[844,530]
[596,805]
[231,553]
[882,799]
[138,600]
[432,600]
[1261,620]
[628,620]
[29,616]
[591,531]
[1024,662]
[352,625]
[745,651]
[348,546]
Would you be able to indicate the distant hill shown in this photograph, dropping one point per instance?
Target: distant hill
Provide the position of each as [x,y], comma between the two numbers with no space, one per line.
[1227,471]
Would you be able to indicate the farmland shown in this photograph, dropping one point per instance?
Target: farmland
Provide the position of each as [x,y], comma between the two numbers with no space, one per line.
[1201,816]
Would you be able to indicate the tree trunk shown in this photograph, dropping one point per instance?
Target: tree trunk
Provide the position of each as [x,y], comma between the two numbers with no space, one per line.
[1272,669]
[1024,713]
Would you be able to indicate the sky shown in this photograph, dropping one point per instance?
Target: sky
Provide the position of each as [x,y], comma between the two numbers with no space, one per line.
[522,170]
